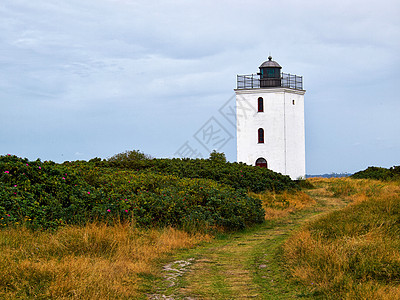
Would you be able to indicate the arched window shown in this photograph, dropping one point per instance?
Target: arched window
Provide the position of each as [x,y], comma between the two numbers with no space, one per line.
[260,104]
[261,162]
[261,136]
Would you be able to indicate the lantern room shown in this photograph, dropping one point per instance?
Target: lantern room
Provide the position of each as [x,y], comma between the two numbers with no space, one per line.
[270,73]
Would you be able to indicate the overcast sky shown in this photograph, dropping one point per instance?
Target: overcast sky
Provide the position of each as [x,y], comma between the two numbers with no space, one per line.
[84,79]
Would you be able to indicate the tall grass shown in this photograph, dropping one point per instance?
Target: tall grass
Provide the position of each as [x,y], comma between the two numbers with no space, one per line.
[353,253]
[91,262]
[280,205]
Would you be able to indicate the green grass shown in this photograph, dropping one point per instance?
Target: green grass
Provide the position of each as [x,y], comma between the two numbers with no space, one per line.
[250,263]
[345,246]
[349,253]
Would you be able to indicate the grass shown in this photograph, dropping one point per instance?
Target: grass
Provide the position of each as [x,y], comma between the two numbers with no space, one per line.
[91,262]
[336,241]
[309,247]
[352,253]
[280,205]
[247,264]
[95,261]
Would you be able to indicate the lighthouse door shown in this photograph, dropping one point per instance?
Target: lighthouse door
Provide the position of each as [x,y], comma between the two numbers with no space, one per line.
[261,162]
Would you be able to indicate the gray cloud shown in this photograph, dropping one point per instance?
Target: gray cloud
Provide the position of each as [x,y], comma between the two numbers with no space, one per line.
[99,77]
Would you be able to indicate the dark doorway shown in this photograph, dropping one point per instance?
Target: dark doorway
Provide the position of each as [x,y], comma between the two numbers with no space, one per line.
[261,162]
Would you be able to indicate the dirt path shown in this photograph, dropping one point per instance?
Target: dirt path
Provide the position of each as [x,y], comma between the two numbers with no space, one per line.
[242,265]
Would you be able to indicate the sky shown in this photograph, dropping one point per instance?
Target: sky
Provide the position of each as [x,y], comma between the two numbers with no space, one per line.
[84,79]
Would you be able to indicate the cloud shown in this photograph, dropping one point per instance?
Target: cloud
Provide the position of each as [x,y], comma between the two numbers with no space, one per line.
[104,76]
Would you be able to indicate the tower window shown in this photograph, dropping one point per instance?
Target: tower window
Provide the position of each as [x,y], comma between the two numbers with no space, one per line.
[271,73]
[260,104]
[261,136]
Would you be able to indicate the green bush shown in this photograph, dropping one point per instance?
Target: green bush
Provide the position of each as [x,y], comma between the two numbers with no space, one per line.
[130,156]
[217,157]
[237,175]
[42,194]
[378,173]
[47,195]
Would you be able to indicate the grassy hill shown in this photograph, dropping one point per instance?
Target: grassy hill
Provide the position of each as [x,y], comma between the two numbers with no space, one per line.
[96,229]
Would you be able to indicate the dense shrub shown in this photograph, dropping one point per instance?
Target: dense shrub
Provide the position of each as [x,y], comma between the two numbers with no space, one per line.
[378,173]
[217,157]
[129,156]
[237,175]
[42,194]
[45,194]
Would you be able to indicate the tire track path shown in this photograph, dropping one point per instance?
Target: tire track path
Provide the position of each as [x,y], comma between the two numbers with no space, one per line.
[246,265]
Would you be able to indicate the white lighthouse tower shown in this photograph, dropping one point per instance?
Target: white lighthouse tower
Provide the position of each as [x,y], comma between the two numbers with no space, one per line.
[270,120]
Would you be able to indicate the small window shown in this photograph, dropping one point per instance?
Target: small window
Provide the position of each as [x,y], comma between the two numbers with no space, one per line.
[261,136]
[271,73]
[260,104]
[293,102]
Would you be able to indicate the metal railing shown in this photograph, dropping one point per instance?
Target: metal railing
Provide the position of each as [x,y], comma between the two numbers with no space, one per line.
[253,81]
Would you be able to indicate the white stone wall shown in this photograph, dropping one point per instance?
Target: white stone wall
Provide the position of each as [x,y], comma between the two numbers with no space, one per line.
[283,124]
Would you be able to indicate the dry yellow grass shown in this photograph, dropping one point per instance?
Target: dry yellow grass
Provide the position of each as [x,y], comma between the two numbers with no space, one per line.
[352,253]
[279,205]
[348,187]
[92,262]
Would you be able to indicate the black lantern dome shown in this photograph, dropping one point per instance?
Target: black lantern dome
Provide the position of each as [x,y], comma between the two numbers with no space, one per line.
[270,73]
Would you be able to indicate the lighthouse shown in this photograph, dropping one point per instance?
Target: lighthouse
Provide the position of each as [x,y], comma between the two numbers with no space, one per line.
[270,120]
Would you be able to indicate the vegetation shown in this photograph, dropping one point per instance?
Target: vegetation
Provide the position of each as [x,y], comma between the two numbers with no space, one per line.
[236,175]
[245,264]
[217,157]
[378,173]
[128,157]
[47,195]
[114,218]
[95,261]
[353,253]
[279,205]
[94,229]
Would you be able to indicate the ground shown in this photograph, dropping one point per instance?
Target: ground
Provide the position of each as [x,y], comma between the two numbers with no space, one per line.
[242,265]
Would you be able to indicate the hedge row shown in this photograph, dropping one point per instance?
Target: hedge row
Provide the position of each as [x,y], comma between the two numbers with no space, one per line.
[378,173]
[237,175]
[47,195]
